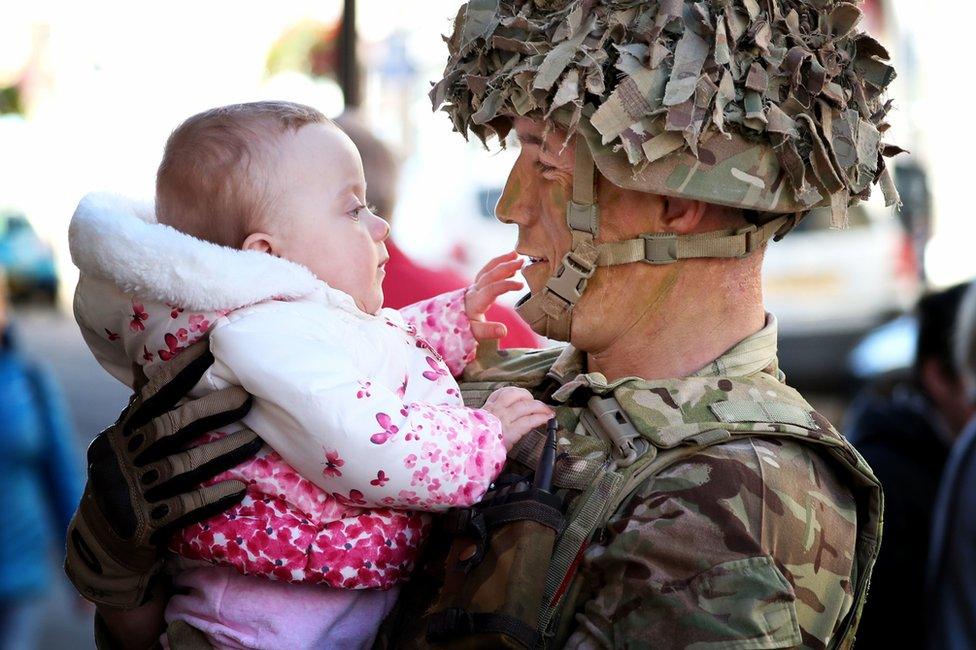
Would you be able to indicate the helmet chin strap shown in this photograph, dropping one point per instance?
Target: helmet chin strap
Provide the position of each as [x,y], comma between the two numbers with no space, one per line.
[550,311]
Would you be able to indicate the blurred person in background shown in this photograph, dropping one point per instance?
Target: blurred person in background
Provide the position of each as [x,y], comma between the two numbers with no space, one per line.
[408,282]
[40,481]
[950,587]
[905,433]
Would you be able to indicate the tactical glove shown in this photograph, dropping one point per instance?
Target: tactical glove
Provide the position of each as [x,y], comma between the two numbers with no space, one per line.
[143,481]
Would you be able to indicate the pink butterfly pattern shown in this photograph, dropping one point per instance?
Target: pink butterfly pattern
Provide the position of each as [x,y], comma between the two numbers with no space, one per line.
[389,429]
[138,318]
[441,326]
[436,370]
[332,464]
[364,387]
[199,323]
[173,347]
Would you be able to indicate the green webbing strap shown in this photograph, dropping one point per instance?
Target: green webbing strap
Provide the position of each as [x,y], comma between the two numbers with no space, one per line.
[581,526]
[584,176]
[665,248]
[740,410]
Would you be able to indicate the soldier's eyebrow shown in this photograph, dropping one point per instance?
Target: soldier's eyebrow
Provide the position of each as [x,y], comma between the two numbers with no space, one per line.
[530,138]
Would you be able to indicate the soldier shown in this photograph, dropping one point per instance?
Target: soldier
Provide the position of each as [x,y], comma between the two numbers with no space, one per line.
[695,499]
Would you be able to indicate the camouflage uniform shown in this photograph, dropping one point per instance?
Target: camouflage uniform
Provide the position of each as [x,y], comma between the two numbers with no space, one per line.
[762,528]
[750,543]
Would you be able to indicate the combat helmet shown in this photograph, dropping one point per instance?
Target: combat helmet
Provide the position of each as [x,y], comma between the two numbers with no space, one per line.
[772,106]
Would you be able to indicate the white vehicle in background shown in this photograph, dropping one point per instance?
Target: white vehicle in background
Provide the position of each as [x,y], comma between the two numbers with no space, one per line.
[829,287]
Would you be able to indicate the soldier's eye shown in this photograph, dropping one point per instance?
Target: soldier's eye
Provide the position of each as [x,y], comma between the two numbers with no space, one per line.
[543,168]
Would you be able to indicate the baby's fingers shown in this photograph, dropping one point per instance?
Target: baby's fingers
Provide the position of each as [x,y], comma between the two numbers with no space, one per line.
[488,330]
[525,423]
[480,299]
[504,397]
[499,272]
[496,261]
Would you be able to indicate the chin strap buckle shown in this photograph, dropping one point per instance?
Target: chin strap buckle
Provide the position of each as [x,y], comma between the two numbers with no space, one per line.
[752,242]
[571,278]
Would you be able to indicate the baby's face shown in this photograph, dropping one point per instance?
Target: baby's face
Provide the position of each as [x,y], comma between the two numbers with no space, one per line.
[321,219]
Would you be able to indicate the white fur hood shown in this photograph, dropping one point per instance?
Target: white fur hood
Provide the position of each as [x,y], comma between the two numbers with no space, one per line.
[116,239]
[147,290]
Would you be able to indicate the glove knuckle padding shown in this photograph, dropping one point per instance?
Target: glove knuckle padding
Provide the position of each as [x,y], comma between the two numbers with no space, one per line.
[211,411]
[191,507]
[188,366]
[183,471]
[178,427]
[142,481]
[172,382]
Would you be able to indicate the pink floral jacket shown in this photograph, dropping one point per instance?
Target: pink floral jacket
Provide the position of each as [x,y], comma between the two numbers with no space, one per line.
[364,424]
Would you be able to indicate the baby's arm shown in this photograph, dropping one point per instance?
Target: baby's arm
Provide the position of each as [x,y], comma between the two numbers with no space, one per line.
[352,437]
[442,322]
[452,323]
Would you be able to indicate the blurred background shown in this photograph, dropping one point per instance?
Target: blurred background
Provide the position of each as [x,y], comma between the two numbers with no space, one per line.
[90,91]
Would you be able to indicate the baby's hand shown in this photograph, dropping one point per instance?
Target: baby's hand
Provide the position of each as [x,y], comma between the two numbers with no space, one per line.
[518,412]
[492,281]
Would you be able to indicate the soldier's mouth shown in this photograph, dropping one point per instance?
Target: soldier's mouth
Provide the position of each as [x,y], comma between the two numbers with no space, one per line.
[534,260]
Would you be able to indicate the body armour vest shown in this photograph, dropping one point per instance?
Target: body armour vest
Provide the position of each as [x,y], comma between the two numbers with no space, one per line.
[613,438]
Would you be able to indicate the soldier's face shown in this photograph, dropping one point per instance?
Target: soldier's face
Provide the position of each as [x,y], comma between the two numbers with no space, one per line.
[535,196]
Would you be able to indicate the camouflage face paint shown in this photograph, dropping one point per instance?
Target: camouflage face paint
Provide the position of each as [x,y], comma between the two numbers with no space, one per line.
[510,194]
[557,195]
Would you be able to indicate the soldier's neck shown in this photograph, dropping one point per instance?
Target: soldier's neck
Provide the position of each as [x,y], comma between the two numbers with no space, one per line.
[695,327]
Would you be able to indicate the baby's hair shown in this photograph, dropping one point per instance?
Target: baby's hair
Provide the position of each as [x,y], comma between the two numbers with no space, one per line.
[207,184]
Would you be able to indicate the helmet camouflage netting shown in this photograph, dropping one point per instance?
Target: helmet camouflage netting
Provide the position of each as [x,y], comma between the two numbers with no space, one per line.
[725,101]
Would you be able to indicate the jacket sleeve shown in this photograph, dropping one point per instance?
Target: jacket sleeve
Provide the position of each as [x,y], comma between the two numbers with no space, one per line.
[443,323]
[350,435]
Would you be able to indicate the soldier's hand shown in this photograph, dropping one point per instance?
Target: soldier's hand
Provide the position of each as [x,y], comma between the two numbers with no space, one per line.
[143,481]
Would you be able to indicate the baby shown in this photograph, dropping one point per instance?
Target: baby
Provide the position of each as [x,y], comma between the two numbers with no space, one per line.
[265,243]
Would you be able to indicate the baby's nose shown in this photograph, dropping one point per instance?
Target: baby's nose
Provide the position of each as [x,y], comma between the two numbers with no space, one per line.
[379,228]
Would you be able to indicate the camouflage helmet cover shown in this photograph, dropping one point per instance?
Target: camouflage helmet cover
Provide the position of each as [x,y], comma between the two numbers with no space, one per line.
[775,106]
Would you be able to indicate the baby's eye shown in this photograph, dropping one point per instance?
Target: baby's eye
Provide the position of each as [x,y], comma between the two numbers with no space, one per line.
[356,213]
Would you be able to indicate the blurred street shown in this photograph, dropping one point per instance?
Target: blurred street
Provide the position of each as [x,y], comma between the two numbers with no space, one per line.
[94,399]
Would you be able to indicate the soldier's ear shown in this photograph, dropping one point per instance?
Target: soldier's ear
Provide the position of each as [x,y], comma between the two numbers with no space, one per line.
[682,216]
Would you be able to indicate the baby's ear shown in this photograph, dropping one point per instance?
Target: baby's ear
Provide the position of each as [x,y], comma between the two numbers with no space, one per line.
[260,242]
